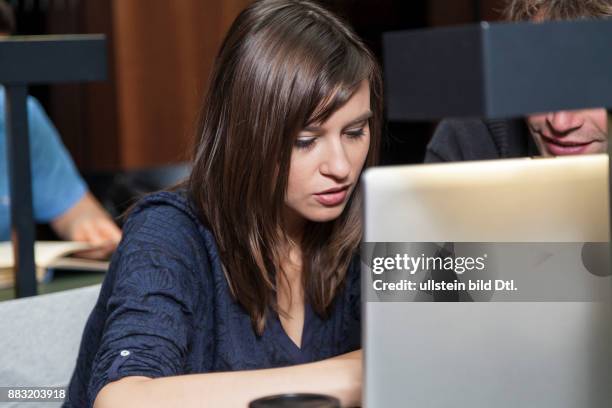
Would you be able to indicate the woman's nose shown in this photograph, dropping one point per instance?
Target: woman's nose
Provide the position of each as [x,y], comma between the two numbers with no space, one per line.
[336,163]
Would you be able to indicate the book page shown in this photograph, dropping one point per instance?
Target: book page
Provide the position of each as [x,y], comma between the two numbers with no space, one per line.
[45,252]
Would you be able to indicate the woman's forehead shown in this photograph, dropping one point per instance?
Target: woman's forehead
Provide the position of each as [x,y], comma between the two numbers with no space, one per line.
[341,100]
[354,110]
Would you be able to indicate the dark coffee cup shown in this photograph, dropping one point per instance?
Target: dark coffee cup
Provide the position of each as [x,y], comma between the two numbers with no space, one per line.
[296,401]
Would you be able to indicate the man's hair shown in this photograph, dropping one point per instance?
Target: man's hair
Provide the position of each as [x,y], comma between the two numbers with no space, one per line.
[523,10]
[7,18]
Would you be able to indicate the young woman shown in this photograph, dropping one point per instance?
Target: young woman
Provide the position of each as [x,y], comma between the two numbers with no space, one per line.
[243,283]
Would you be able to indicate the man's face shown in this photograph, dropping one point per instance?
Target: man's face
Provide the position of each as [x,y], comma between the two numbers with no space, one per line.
[570,132]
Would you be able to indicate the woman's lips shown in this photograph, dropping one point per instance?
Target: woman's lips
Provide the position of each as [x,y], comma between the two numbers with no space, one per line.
[560,148]
[332,198]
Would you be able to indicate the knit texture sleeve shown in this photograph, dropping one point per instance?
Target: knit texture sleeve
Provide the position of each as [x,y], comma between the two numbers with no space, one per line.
[150,313]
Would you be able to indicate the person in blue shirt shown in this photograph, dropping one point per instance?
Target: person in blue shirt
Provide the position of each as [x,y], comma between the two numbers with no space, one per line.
[244,281]
[60,196]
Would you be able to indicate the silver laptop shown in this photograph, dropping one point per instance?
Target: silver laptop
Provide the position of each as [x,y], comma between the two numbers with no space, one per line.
[546,345]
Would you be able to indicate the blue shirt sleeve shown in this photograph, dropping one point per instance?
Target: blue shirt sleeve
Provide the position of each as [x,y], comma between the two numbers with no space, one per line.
[56,184]
[149,323]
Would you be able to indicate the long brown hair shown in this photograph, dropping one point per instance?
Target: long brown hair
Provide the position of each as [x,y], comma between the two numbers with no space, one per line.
[283,64]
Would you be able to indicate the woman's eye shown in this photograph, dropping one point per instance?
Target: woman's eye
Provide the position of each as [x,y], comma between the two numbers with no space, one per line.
[356,133]
[304,142]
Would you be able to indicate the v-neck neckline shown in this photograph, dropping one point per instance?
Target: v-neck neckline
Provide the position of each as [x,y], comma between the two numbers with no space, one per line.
[298,352]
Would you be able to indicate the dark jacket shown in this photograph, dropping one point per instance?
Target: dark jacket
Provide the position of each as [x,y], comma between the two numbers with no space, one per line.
[477,139]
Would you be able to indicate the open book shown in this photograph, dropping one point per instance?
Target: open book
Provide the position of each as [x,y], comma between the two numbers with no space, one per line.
[49,255]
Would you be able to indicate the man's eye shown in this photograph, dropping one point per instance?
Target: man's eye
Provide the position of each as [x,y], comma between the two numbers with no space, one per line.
[305,142]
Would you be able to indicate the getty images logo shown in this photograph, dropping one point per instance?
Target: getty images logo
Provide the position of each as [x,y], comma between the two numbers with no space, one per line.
[416,264]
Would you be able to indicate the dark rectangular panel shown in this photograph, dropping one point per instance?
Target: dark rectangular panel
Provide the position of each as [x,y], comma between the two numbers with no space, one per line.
[57,58]
[428,71]
[548,67]
[498,70]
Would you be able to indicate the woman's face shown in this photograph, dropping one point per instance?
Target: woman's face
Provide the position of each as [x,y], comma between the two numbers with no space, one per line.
[326,161]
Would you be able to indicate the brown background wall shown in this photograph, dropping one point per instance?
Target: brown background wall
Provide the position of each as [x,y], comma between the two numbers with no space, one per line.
[163,59]
[160,54]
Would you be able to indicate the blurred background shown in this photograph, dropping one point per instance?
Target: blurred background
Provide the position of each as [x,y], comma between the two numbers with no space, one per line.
[160,54]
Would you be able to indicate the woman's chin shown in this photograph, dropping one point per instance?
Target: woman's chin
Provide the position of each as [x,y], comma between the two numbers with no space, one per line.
[324,214]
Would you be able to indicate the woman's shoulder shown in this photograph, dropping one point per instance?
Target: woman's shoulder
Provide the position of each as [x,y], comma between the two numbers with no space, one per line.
[165,208]
[171,201]
[167,221]
[165,247]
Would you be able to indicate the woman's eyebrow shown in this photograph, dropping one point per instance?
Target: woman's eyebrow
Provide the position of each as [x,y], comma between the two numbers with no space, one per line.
[359,119]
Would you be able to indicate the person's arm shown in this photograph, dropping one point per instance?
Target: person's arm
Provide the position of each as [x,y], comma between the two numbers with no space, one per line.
[60,196]
[339,377]
[87,221]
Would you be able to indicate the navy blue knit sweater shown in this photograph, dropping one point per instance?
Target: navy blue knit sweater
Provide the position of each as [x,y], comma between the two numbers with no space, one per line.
[165,309]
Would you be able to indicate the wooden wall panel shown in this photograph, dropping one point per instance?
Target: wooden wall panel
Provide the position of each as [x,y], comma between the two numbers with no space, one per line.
[85,113]
[163,55]
[100,97]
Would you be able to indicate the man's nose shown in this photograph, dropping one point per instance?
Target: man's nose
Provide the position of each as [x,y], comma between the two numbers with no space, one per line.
[336,163]
[564,122]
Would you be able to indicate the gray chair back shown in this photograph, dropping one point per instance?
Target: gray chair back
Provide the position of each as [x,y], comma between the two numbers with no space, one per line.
[40,337]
